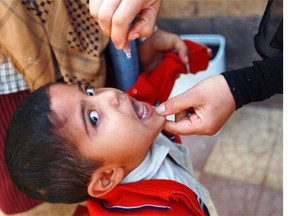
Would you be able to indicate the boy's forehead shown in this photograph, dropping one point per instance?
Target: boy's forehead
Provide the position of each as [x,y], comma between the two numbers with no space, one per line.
[64,105]
[59,87]
[64,92]
[62,98]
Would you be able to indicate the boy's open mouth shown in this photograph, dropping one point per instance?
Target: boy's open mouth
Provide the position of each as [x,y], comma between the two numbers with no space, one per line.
[140,109]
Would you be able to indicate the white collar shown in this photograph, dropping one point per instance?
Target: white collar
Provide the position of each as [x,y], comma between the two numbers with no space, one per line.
[150,165]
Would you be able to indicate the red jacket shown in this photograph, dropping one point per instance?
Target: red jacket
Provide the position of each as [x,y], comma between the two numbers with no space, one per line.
[156,86]
[156,196]
[147,197]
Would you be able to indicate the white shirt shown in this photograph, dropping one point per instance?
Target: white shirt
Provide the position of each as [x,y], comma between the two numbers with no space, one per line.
[167,160]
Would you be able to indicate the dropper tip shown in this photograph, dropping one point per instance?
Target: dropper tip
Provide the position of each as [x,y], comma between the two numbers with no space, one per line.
[127,50]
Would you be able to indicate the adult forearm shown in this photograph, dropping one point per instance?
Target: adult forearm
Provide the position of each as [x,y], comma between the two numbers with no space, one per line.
[258,82]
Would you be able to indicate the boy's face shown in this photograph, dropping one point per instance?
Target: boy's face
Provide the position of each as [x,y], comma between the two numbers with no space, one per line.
[106,123]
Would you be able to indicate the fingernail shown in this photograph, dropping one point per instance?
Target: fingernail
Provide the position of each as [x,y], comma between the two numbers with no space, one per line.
[133,36]
[160,109]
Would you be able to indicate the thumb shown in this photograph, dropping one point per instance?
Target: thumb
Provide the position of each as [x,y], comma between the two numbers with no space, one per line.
[143,26]
[175,104]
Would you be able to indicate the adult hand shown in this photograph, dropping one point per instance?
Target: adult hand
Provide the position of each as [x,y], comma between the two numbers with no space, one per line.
[115,17]
[152,50]
[202,110]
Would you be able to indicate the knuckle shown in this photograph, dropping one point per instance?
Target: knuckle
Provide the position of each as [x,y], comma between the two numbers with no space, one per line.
[173,102]
[118,21]
[176,131]
[103,18]
[147,31]
[169,128]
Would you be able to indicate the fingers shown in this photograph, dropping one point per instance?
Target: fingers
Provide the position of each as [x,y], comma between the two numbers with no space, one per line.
[143,25]
[182,50]
[116,16]
[103,11]
[193,124]
[146,20]
[210,103]
[186,126]
[94,6]
[121,22]
[176,104]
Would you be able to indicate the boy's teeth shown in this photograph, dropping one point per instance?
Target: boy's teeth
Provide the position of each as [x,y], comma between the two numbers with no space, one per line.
[144,114]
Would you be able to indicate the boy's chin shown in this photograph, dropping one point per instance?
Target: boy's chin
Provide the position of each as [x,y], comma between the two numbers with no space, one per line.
[162,121]
[159,119]
[158,123]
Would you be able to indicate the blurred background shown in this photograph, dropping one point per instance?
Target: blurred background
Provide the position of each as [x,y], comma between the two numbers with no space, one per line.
[242,166]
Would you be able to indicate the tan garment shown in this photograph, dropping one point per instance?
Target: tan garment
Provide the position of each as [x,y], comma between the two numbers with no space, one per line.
[37,35]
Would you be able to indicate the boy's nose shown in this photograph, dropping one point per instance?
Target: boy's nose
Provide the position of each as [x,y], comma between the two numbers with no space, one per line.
[110,95]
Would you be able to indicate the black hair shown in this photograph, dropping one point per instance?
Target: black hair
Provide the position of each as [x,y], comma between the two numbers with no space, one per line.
[42,163]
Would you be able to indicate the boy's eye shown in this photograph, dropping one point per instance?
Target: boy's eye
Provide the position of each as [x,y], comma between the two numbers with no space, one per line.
[94,118]
[90,91]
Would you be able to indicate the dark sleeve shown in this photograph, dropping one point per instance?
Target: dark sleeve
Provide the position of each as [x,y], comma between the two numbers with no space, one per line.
[258,82]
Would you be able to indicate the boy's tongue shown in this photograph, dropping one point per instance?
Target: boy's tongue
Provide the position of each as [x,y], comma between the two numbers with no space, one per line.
[140,109]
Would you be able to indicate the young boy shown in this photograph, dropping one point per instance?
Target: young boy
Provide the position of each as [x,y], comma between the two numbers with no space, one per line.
[100,144]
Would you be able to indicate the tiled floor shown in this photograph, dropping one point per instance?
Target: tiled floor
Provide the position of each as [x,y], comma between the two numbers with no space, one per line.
[242,166]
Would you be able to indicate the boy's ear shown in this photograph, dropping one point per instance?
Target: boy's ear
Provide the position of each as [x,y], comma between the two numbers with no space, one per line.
[104,180]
